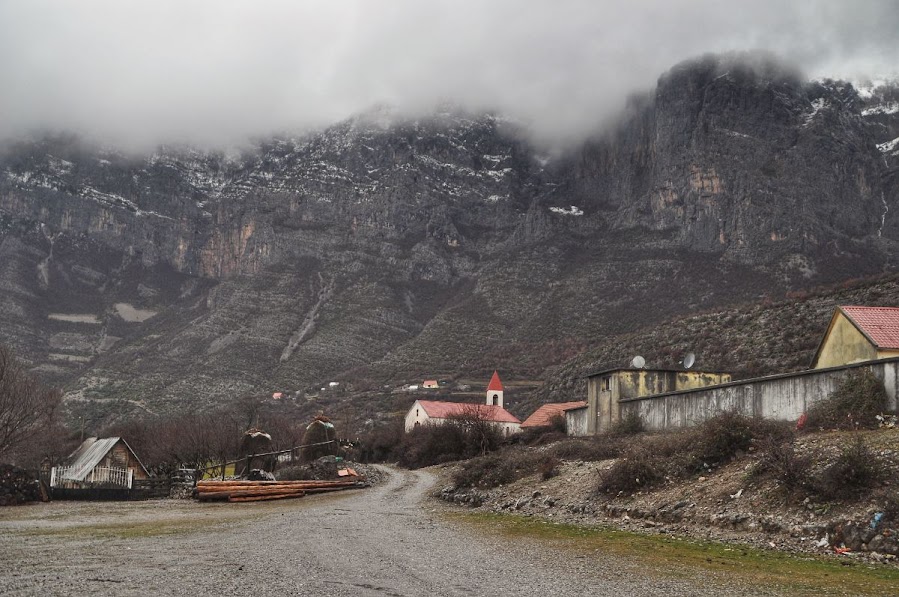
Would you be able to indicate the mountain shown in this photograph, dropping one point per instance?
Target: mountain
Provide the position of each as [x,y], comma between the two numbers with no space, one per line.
[386,248]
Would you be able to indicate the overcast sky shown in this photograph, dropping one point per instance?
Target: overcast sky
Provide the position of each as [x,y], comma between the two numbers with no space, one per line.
[218,71]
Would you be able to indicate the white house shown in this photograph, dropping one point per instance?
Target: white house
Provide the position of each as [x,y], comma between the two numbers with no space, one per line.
[434,412]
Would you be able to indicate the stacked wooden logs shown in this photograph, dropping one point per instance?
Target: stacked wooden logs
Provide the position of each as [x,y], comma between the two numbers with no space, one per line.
[256,491]
[17,486]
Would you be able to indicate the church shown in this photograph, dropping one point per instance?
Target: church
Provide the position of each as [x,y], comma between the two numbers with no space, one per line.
[434,412]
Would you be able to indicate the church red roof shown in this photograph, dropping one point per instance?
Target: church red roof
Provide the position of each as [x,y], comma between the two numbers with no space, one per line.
[543,415]
[495,384]
[879,324]
[445,410]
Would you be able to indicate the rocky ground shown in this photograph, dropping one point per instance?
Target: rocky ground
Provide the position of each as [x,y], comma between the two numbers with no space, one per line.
[727,504]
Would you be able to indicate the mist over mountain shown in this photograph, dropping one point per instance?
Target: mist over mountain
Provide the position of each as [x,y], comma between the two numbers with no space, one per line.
[210,73]
[387,248]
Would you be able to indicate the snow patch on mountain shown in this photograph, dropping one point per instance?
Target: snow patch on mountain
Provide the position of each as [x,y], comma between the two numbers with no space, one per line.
[889,108]
[816,107]
[889,146]
[570,211]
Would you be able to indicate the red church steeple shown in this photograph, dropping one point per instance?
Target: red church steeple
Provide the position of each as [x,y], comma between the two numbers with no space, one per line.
[495,391]
[495,383]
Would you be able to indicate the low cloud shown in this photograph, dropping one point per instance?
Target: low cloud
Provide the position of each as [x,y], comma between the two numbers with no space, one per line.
[218,72]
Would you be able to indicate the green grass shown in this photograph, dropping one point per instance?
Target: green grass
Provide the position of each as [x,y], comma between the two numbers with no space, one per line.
[679,557]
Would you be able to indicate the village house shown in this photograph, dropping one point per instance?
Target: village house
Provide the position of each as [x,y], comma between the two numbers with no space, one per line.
[434,412]
[107,462]
[543,416]
[857,334]
[430,384]
[857,338]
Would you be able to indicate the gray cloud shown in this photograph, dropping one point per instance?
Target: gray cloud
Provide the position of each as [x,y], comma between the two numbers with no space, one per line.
[217,72]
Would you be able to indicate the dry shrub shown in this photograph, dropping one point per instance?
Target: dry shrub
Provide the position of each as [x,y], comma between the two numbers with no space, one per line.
[454,440]
[649,460]
[855,470]
[855,403]
[588,449]
[637,469]
[500,468]
[779,459]
[548,467]
[629,424]
[540,436]
[379,444]
[557,423]
[719,439]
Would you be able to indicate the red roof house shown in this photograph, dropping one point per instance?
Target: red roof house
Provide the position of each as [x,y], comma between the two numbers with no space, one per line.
[542,417]
[434,412]
[857,334]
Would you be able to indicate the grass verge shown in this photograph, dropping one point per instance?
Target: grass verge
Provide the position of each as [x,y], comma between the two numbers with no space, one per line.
[680,557]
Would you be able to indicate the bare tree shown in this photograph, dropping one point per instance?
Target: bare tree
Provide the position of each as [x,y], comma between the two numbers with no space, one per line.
[26,406]
[482,432]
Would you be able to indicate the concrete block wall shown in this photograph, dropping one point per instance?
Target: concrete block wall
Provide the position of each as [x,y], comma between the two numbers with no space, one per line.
[781,397]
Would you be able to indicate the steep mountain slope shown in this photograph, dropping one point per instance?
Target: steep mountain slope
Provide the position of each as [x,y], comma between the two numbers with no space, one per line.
[384,247]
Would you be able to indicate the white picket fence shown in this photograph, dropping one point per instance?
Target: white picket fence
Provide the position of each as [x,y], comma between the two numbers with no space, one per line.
[67,476]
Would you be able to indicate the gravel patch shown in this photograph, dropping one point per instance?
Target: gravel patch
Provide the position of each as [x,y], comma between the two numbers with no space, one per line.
[385,540]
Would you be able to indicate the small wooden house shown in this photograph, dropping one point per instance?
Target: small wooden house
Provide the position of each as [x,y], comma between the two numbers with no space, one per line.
[109,462]
[857,334]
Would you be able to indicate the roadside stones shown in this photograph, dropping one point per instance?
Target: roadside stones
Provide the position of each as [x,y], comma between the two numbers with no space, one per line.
[862,537]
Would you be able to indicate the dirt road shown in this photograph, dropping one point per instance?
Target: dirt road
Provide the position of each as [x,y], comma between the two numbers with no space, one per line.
[380,541]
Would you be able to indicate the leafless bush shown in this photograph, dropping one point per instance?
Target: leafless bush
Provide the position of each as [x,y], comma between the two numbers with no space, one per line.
[855,404]
[588,449]
[638,468]
[856,470]
[629,424]
[502,467]
[719,439]
[778,458]
[548,467]
[463,436]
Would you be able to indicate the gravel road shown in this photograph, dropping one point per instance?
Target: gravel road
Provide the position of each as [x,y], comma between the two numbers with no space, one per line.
[385,540]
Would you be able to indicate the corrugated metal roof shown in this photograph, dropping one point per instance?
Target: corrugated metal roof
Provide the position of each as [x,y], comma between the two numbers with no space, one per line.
[444,410]
[88,455]
[880,324]
[542,416]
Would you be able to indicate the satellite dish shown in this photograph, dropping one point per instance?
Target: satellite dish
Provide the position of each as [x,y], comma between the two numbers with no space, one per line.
[638,362]
[689,360]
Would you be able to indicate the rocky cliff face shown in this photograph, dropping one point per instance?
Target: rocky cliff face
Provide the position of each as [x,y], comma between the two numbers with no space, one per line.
[384,247]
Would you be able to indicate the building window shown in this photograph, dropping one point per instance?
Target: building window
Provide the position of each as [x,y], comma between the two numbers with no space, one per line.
[607,383]
[416,413]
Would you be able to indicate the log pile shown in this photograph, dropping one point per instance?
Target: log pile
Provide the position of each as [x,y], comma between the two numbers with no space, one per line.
[256,491]
[17,486]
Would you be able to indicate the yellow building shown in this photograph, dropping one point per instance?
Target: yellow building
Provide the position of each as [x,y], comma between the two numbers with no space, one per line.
[857,334]
[606,388]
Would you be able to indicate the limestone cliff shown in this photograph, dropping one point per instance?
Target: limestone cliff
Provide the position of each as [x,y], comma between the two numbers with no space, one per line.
[383,247]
